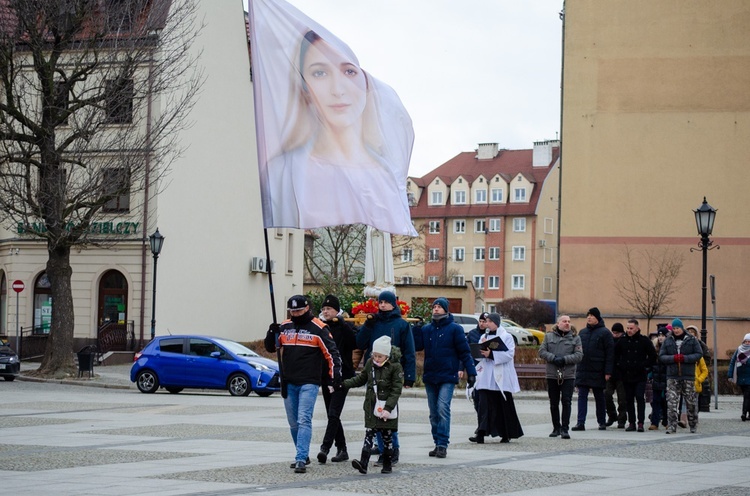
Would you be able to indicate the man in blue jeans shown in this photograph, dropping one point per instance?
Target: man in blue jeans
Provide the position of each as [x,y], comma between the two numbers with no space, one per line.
[307,348]
[445,350]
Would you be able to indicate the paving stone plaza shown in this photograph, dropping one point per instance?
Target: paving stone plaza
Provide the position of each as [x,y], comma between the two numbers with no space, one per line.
[101,436]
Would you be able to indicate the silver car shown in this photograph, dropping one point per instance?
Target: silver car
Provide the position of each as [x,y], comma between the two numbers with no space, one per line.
[468,321]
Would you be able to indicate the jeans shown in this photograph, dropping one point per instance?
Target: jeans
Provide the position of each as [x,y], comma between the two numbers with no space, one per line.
[334,430]
[583,399]
[634,394]
[299,405]
[556,391]
[439,402]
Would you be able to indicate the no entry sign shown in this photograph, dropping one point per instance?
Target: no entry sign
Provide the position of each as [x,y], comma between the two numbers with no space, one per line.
[18,286]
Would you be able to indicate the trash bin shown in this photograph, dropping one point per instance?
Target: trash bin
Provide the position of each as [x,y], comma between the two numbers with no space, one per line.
[86,360]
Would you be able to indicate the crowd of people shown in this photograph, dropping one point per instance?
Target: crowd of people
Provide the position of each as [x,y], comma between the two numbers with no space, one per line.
[666,370]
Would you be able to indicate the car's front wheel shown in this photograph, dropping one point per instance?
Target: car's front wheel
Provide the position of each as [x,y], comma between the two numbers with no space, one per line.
[147,381]
[238,385]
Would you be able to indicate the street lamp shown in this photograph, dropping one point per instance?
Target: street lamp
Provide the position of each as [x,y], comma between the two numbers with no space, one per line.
[157,241]
[704,220]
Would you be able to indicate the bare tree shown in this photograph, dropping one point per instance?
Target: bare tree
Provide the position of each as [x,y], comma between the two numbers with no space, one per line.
[336,253]
[650,281]
[94,94]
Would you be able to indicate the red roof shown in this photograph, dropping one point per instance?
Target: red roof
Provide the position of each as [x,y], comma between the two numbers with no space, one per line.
[507,163]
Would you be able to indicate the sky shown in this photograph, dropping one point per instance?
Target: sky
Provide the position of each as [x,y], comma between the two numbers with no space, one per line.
[467,71]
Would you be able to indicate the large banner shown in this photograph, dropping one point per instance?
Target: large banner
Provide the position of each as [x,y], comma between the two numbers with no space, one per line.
[334,143]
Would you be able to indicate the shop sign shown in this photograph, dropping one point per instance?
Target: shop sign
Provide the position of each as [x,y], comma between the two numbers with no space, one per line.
[109,228]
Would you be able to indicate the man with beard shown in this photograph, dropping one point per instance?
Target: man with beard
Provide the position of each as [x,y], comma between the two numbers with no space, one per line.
[307,347]
[595,369]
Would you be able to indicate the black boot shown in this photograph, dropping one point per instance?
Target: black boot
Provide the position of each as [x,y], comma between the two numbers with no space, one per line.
[361,464]
[387,465]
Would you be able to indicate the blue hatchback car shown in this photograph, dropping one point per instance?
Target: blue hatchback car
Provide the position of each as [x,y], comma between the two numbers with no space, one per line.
[203,362]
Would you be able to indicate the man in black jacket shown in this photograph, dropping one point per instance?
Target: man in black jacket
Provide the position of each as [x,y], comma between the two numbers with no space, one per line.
[343,336]
[595,369]
[306,348]
[634,356]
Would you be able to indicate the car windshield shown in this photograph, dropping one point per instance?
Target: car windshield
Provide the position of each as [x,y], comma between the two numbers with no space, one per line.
[237,348]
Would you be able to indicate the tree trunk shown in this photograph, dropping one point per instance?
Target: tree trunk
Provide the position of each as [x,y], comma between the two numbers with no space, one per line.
[57,355]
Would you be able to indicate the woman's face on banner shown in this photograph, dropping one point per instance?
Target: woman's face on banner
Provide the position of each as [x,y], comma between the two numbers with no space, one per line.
[336,85]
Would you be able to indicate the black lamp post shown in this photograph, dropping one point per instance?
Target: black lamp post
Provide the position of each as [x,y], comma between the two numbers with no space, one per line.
[704,220]
[157,241]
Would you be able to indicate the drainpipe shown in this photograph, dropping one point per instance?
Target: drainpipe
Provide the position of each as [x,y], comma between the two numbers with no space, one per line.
[146,192]
[560,159]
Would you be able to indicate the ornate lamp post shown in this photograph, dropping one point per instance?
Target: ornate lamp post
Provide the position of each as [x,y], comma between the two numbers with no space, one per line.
[704,220]
[157,241]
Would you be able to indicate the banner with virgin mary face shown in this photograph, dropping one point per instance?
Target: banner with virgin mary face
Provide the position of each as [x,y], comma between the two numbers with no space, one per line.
[334,143]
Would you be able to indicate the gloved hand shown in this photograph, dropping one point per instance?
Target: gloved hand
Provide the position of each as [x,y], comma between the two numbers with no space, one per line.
[370,321]
[408,384]
[385,414]
[338,384]
[274,328]
[471,380]
[679,358]
[559,361]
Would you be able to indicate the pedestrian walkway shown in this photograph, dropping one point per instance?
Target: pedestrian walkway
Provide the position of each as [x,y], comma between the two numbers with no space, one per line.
[61,439]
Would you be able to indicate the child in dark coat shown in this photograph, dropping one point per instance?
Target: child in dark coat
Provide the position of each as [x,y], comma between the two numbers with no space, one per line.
[384,378]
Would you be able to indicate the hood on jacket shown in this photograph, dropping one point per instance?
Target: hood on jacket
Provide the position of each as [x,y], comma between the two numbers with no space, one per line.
[573,330]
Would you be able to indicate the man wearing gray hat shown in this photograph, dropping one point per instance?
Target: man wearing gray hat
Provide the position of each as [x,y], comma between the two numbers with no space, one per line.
[308,348]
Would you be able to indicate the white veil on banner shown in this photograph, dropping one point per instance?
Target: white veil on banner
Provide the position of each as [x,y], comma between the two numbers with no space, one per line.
[334,143]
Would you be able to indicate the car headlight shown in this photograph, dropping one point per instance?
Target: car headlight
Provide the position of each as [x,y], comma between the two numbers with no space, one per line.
[260,367]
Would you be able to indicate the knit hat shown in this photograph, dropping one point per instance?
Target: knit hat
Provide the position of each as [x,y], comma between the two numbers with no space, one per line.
[494,317]
[388,297]
[662,331]
[596,313]
[442,302]
[677,323]
[331,301]
[747,337]
[296,302]
[617,327]
[382,345]
[483,316]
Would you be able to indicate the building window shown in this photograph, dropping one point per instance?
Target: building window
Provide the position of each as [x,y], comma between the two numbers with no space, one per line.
[479,282]
[458,281]
[434,227]
[116,187]
[479,253]
[480,226]
[459,226]
[62,99]
[519,253]
[519,282]
[548,255]
[120,15]
[480,196]
[547,285]
[519,194]
[407,255]
[42,305]
[119,101]
[549,225]
[495,225]
[432,280]
[496,195]
[406,279]
[493,282]
[519,224]
[494,253]
[434,254]
[458,254]
[459,197]
[437,198]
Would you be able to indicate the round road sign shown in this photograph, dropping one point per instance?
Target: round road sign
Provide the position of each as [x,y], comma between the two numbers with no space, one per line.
[18,286]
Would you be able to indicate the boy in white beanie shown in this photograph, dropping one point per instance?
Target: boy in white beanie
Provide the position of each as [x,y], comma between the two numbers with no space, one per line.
[384,377]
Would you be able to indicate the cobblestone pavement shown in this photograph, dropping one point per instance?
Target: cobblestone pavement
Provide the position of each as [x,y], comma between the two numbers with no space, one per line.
[109,439]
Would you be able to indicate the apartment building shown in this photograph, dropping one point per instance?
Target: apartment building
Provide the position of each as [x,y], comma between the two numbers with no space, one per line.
[486,218]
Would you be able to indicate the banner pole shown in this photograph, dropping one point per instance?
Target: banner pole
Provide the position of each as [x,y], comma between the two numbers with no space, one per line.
[282,385]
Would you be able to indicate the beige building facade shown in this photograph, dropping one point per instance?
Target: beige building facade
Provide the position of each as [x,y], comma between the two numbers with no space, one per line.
[655,117]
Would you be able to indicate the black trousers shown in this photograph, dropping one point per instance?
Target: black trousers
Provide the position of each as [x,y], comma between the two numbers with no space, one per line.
[620,414]
[334,430]
[557,392]
[634,394]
